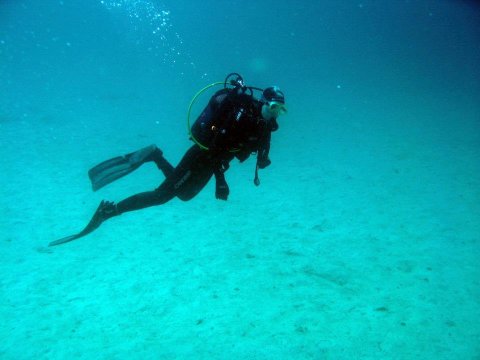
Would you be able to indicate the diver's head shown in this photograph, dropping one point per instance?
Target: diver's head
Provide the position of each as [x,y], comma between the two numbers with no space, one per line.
[273,103]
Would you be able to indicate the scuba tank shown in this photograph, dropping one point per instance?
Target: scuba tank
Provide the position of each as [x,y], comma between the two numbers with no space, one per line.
[212,119]
[218,121]
[205,128]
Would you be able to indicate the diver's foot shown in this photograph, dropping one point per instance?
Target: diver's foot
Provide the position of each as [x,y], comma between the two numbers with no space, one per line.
[157,152]
[106,210]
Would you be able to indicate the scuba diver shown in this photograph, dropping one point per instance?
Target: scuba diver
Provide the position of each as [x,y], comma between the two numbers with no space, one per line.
[234,124]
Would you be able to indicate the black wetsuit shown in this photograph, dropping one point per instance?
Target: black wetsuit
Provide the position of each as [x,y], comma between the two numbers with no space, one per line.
[231,126]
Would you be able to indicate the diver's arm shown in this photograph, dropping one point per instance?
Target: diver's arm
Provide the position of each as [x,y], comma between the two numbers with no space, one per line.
[263,159]
[263,150]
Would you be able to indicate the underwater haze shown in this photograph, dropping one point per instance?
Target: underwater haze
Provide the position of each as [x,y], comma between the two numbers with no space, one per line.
[362,241]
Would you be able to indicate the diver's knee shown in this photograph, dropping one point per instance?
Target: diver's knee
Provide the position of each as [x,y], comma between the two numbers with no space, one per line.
[152,153]
[184,197]
[164,193]
[154,148]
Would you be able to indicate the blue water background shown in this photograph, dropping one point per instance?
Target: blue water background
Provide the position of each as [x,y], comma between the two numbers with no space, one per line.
[361,242]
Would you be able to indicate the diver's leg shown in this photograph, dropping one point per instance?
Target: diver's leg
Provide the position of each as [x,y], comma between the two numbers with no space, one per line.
[157,157]
[113,169]
[185,178]
[161,195]
[198,170]
[185,181]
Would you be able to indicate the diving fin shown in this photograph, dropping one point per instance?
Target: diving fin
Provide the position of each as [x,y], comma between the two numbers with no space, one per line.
[105,210]
[113,169]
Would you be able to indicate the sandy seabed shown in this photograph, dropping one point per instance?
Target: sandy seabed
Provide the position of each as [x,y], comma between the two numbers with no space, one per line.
[323,261]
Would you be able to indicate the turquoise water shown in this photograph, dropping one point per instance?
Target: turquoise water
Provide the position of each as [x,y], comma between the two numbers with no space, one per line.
[362,241]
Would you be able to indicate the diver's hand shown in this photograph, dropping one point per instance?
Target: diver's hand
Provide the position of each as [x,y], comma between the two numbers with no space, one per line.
[263,163]
[221,186]
[221,190]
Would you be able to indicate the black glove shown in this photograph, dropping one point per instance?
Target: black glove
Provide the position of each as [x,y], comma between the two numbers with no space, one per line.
[263,163]
[221,191]
[221,186]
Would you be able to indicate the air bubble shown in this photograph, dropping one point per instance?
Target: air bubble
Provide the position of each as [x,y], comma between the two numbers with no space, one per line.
[149,17]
